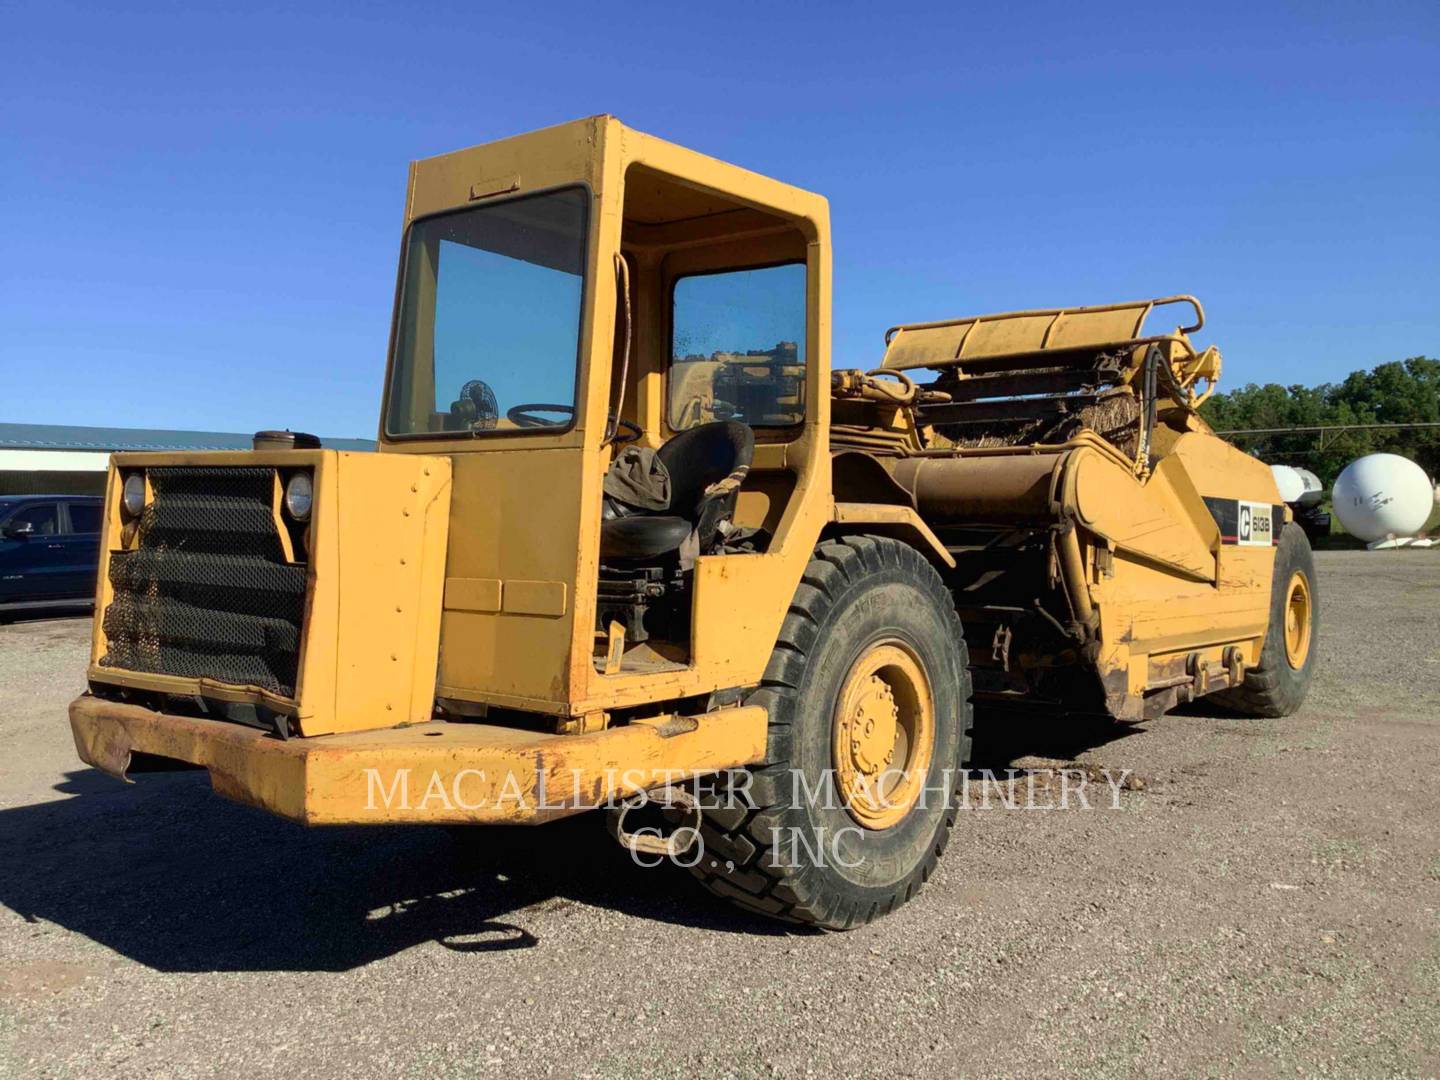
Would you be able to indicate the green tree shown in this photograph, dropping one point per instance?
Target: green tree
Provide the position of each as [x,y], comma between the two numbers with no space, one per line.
[1400,392]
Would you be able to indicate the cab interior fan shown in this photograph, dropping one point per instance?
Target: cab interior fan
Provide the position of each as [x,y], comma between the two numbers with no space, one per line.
[477,406]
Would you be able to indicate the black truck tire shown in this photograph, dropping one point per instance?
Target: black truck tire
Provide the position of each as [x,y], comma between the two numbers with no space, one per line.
[1277,687]
[870,633]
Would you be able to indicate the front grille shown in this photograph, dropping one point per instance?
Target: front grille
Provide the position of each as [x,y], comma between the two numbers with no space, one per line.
[206,592]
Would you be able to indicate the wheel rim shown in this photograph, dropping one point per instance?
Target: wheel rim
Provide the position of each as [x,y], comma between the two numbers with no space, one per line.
[1297,620]
[884,735]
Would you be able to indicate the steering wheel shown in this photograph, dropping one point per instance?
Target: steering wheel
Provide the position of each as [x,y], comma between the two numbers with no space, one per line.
[632,431]
[523,416]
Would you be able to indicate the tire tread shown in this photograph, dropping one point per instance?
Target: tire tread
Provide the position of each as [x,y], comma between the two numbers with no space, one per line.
[756,881]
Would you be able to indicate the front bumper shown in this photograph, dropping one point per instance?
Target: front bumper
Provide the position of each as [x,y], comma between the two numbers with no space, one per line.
[430,773]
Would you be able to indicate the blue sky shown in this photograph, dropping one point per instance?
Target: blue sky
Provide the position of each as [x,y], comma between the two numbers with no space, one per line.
[200,204]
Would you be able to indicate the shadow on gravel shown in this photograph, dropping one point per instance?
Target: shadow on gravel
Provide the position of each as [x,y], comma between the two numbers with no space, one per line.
[1209,709]
[58,613]
[1004,736]
[167,874]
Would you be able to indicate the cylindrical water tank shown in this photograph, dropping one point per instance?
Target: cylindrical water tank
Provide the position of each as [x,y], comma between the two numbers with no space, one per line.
[1289,482]
[1314,493]
[1382,495]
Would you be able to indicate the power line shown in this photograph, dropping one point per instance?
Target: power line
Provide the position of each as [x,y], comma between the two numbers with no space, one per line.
[1327,427]
[1326,432]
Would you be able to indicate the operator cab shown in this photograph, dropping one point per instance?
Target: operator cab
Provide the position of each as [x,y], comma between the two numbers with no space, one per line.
[581,310]
[710,368]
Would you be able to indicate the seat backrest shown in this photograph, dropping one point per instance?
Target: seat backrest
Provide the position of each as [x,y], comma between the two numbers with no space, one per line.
[702,456]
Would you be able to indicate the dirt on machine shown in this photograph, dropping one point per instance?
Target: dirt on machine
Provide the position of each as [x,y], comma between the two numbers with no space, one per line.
[630,539]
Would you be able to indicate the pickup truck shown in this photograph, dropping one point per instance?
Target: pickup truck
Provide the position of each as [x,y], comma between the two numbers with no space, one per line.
[49,550]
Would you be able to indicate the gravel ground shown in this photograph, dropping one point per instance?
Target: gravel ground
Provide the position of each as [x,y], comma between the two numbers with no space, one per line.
[1265,901]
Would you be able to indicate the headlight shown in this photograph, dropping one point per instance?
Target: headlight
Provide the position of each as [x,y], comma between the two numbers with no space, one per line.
[299,497]
[132,497]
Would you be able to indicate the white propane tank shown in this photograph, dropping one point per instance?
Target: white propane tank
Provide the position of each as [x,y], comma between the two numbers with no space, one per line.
[1383,495]
[1314,493]
[1290,483]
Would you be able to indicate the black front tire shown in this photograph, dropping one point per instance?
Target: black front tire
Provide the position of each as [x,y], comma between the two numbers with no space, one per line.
[759,849]
[1278,687]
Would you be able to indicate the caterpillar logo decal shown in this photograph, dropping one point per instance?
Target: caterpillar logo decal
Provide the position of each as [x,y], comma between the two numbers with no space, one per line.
[1249,524]
[1256,524]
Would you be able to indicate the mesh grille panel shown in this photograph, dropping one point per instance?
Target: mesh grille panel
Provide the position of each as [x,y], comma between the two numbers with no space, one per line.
[206,592]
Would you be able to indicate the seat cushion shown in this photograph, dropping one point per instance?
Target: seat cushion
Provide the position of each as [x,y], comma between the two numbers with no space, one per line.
[642,536]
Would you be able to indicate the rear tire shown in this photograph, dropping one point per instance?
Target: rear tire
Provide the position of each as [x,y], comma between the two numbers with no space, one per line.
[1277,687]
[870,649]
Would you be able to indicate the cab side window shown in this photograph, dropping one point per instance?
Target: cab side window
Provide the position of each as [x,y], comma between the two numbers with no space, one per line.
[737,348]
[43,518]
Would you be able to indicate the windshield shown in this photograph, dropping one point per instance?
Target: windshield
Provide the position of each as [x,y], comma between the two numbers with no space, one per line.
[489,330]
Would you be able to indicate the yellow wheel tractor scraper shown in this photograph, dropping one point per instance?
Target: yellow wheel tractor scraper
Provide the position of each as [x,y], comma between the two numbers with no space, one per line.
[628,532]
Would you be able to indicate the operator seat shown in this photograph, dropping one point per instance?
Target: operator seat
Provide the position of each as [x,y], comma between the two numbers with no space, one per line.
[707,465]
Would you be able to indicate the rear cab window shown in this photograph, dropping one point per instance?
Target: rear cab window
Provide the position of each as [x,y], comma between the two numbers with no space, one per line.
[737,348]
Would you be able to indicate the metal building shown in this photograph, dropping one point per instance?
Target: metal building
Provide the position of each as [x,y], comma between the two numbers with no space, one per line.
[60,459]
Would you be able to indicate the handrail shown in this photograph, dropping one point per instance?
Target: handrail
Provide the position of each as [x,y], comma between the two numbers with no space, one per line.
[1145,306]
[983,343]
